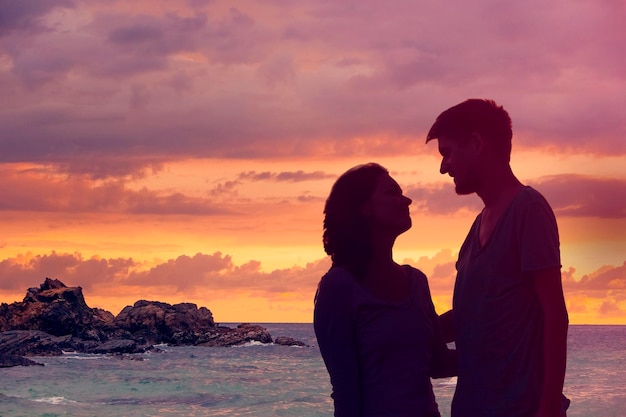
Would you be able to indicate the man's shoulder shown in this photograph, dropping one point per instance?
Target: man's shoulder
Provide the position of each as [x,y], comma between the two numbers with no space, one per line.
[530,193]
[529,197]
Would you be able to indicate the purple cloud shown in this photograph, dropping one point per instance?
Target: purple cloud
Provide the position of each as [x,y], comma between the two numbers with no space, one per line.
[16,15]
[305,78]
[285,176]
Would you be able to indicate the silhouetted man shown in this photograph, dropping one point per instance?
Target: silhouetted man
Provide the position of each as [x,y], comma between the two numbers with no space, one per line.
[508,316]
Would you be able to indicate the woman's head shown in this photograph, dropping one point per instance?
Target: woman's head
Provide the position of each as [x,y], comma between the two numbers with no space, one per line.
[363,203]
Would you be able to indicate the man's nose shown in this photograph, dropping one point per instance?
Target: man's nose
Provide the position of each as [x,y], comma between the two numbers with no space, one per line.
[444,167]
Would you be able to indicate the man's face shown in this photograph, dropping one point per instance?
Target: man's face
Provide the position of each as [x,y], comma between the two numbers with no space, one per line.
[458,160]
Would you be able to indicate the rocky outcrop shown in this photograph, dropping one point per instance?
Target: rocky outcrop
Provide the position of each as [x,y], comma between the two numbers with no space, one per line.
[55,318]
[156,322]
[58,310]
[225,336]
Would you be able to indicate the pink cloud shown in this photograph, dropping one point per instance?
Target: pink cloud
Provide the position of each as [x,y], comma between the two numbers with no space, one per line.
[36,191]
[609,308]
[185,274]
[570,195]
[30,270]
[440,199]
[574,195]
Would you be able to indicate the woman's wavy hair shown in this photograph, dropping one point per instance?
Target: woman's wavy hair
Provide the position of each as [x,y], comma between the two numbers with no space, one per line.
[346,228]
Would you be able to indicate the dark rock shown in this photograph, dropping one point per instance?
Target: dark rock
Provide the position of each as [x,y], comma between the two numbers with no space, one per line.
[118,346]
[7,361]
[156,322]
[244,333]
[58,310]
[32,342]
[288,341]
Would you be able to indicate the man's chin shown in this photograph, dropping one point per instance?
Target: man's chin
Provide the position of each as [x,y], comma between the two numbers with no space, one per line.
[463,191]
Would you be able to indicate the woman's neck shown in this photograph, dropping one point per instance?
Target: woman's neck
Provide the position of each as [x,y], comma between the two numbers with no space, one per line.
[384,278]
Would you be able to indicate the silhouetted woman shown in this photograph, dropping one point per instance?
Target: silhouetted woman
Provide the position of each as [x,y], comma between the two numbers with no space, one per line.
[374,319]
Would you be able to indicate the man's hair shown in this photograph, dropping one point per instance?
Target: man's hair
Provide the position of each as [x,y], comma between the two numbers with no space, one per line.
[347,237]
[482,116]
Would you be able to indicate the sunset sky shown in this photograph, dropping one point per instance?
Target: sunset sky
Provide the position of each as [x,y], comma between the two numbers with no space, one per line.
[182,151]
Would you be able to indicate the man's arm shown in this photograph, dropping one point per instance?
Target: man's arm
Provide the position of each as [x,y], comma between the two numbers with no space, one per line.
[549,290]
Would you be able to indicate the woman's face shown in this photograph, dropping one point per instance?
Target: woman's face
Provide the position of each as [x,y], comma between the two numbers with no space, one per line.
[388,209]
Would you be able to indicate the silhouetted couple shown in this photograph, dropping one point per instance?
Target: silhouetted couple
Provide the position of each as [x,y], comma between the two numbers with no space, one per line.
[376,326]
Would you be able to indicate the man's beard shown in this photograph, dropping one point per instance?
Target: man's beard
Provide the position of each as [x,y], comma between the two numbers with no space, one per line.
[465,187]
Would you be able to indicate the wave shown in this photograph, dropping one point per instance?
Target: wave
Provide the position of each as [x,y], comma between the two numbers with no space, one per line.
[84,356]
[55,400]
[253,343]
[450,381]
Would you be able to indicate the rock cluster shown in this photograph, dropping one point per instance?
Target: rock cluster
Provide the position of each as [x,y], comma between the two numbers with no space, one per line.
[58,310]
[55,318]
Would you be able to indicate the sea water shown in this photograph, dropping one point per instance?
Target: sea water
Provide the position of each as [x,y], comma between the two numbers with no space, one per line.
[262,380]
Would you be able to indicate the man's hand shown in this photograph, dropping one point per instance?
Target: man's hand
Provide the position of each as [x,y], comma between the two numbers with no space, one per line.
[446,322]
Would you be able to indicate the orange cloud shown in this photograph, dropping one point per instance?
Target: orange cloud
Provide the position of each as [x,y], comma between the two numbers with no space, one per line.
[606,281]
[204,279]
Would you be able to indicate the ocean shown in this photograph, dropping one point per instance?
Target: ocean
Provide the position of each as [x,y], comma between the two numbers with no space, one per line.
[262,380]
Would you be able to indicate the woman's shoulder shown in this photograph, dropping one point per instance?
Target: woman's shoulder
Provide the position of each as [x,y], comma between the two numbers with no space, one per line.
[338,277]
[335,288]
[415,273]
[418,277]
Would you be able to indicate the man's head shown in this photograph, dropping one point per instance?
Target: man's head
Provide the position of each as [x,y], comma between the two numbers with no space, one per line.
[474,141]
[476,116]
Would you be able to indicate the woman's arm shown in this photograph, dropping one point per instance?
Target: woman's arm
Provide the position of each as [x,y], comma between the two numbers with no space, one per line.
[334,329]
